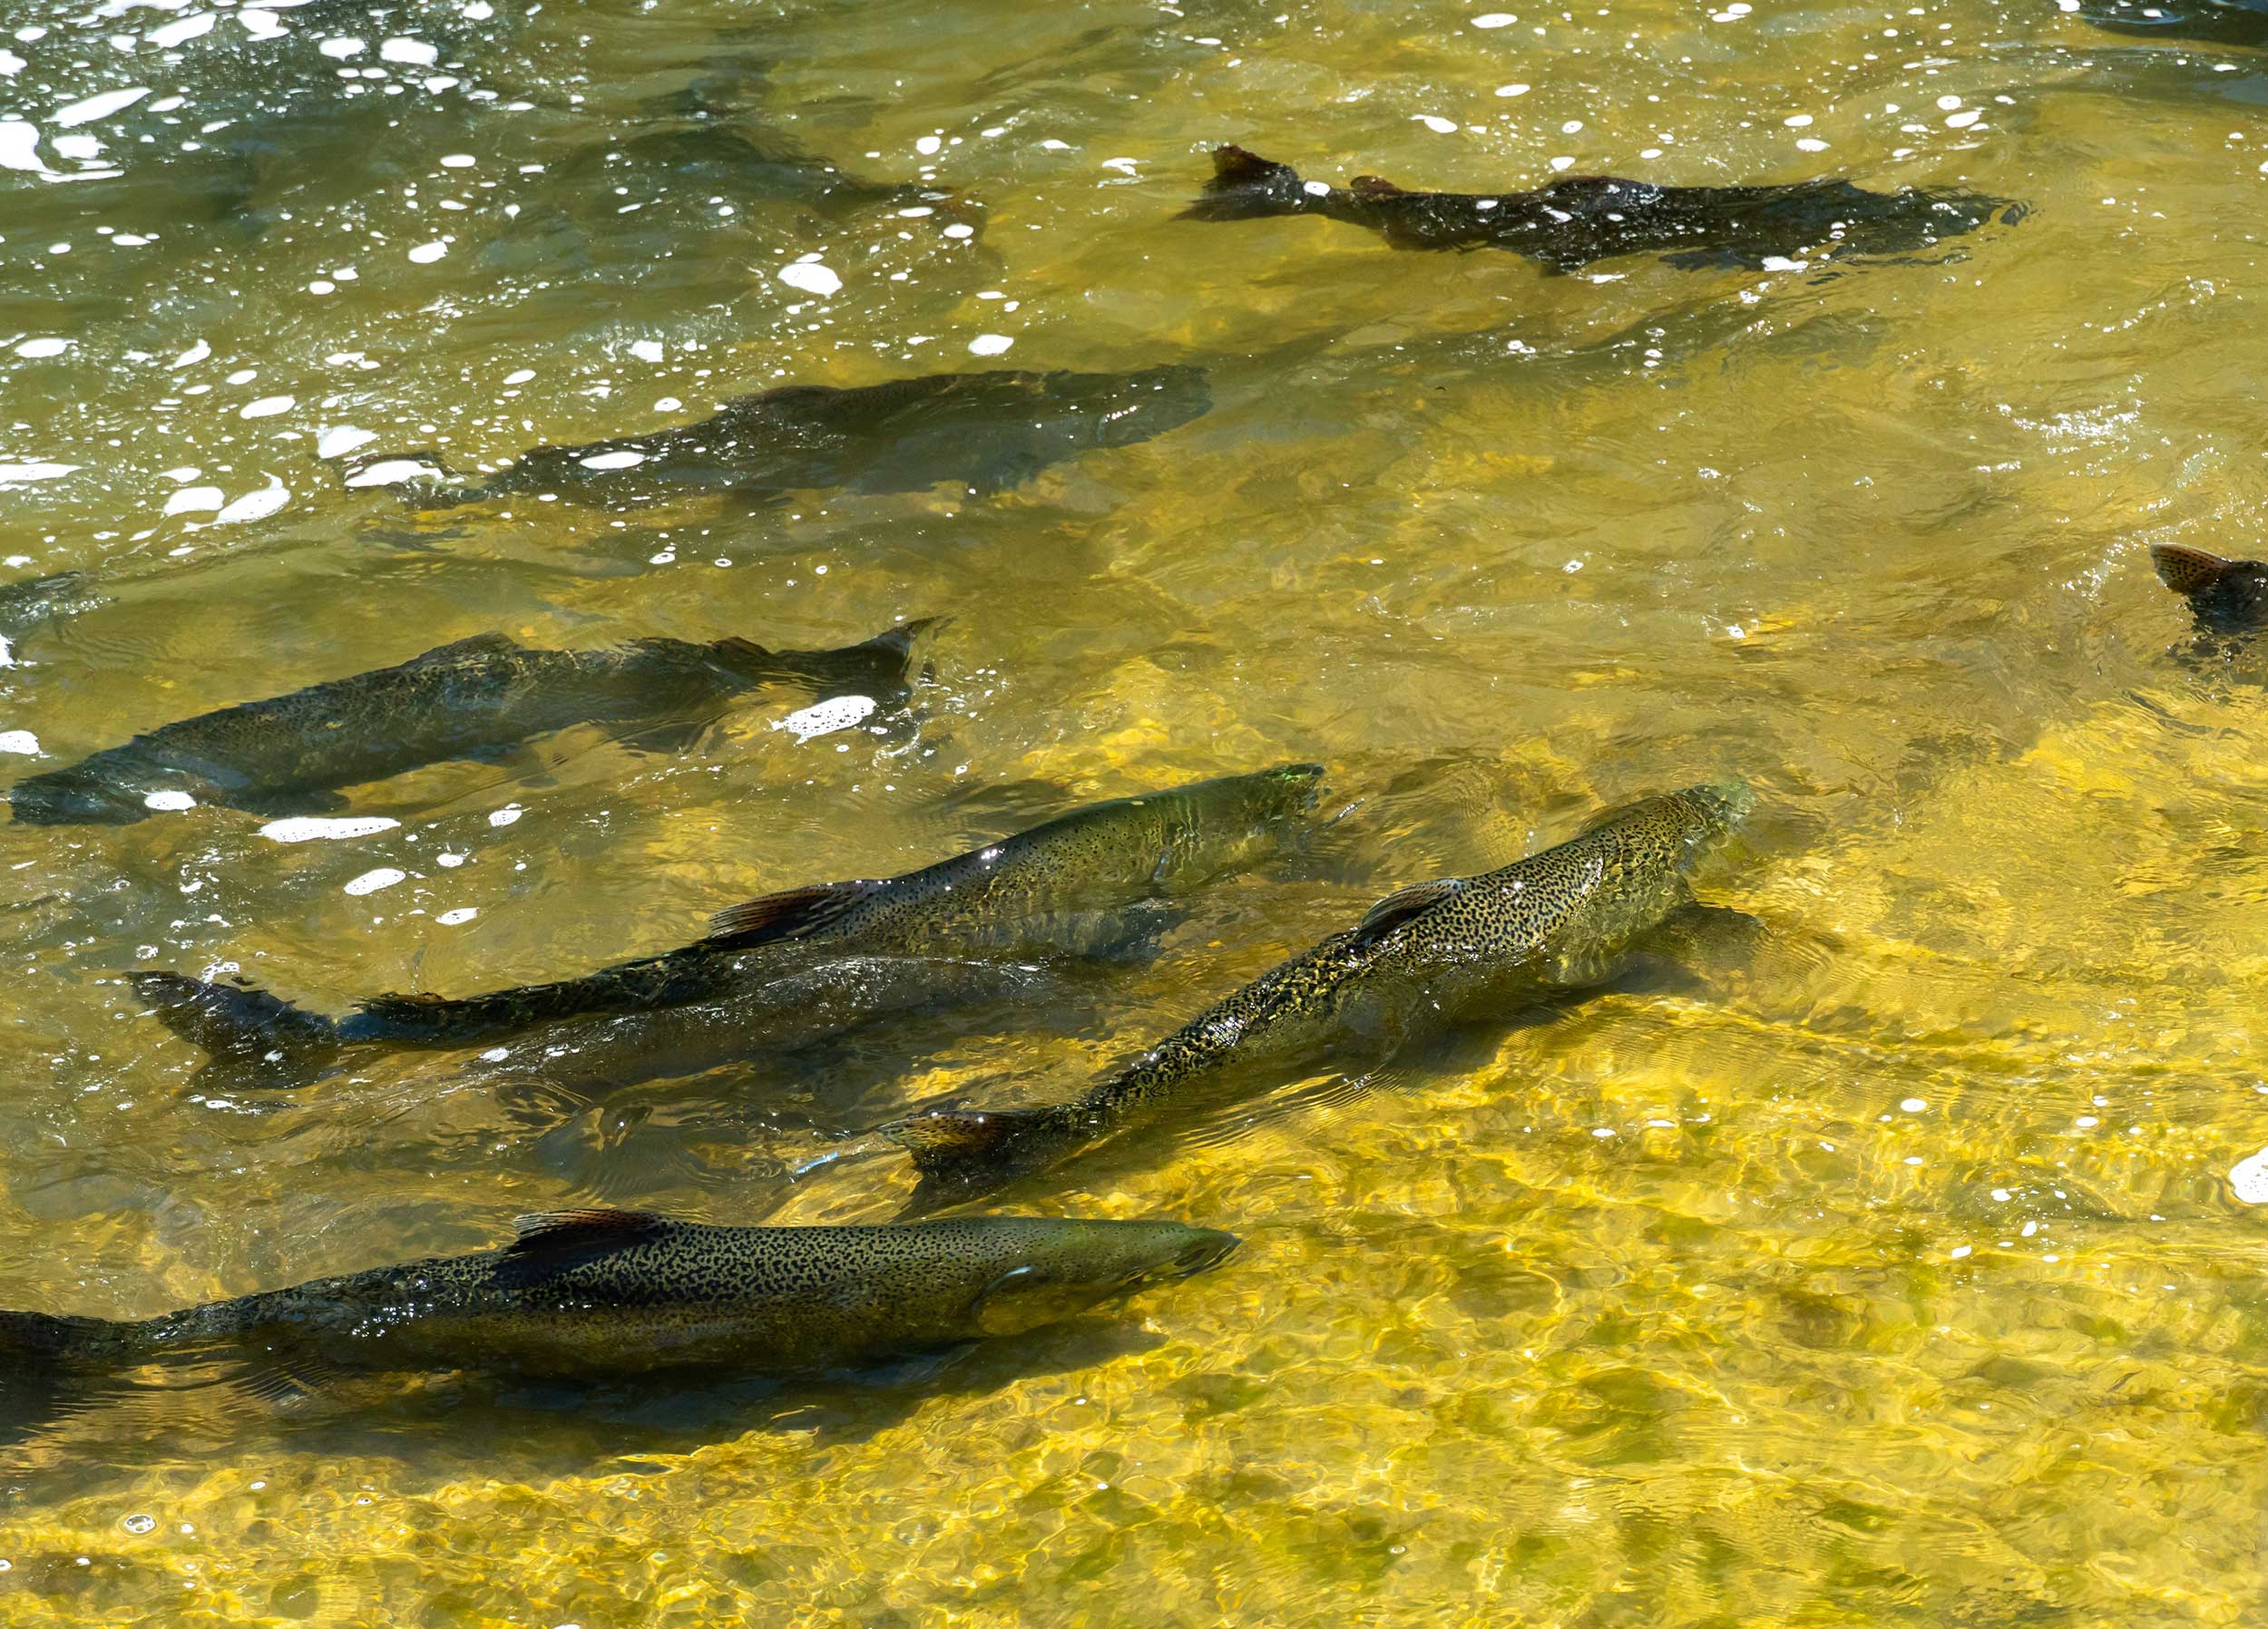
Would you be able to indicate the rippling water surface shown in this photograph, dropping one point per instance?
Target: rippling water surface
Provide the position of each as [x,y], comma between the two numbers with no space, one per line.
[1890,1270]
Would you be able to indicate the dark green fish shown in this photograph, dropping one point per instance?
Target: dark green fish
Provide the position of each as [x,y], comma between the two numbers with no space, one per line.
[604,1292]
[727,158]
[2225,596]
[985,432]
[1053,887]
[477,698]
[1571,222]
[2214,22]
[1554,920]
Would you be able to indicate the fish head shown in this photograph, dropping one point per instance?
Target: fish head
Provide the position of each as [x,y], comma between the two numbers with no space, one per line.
[1716,807]
[1121,409]
[1069,1266]
[78,797]
[1238,821]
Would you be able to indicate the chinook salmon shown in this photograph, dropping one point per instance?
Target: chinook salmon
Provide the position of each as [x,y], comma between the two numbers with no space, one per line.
[1571,222]
[477,698]
[1557,919]
[984,432]
[607,1293]
[1053,887]
[2225,596]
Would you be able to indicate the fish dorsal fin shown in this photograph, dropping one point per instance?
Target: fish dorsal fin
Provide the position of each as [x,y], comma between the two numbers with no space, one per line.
[733,646]
[797,913]
[554,1241]
[1240,164]
[541,1231]
[2189,571]
[464,650]
[1405,903]
[1375,186]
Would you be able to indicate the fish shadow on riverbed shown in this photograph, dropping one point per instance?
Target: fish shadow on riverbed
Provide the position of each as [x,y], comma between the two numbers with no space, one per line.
[89,1431]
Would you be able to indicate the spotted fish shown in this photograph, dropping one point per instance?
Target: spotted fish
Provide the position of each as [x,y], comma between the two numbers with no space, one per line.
[1061,885]
[1557,919]
[478,699]
[612,1292]
[1571,222]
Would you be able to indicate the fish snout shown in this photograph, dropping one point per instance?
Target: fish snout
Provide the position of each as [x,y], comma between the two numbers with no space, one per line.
[1728,801]
[1154,400]
[63,798]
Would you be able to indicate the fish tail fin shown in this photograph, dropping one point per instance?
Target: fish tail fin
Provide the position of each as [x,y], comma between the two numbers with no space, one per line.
[1246,187]
[961,1153]
[240,1025]
[796,913]
[2188,571]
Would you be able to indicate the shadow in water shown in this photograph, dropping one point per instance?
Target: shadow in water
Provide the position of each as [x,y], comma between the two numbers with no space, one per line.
[64,1436]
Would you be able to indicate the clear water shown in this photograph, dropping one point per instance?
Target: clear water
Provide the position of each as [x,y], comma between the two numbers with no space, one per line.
[1892,1274]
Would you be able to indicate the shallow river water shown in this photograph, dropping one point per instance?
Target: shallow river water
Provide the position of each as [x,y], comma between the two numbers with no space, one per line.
[1889,1271]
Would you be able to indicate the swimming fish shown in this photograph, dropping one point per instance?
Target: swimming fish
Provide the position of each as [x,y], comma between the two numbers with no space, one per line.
[1055,886]
[1556,919]
[744,164]
[1573,221]
[2216,22]
[2225,596]
[32,600]
[613,1292]
[477,698]
[984,432]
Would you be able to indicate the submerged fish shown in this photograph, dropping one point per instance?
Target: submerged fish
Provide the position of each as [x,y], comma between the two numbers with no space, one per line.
[32,600]
[2225,596]
[477,698]
[986,432]
[1571,222]
[1557,919]
[722,156]
[2216,22]
[1055,884]
[598,1292]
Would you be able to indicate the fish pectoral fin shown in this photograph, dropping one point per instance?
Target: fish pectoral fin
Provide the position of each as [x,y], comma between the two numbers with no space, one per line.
[945,1137]
[962,1154]
[551,1242]
[2188,571]
[796,913]
[1026,1297]
[1405,903]
[671,739]
[1716,935]
[280,806]
[1374,186]
[296,1384]
[1004,472]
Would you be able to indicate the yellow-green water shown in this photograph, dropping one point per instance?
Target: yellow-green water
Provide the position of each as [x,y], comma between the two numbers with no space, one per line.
[1895,1275]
